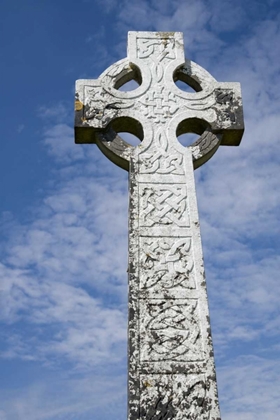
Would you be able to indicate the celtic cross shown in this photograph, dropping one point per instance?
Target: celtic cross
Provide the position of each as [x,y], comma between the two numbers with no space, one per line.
[171,364]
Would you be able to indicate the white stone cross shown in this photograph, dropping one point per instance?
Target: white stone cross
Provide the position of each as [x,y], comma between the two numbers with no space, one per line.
[171,363]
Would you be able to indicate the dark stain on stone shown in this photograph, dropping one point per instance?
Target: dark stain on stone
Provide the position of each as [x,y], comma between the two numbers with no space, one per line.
[160,411]
[223,97]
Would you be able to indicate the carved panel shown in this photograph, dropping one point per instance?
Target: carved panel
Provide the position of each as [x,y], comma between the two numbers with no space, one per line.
[156,49]
[94,101]
[170,330]
[175,397]
[162,163]
[161,157]
[163,204]
[100,106]
[166,264]
[159,104]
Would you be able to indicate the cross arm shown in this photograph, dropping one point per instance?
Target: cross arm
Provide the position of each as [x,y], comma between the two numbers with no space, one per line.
[229,113]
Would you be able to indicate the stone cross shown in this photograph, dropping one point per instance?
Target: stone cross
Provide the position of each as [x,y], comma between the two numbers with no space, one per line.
[171,364]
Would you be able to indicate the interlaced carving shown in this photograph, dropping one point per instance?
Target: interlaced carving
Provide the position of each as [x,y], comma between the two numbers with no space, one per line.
[163,205]
[162,163]
[159,104]
[166,264]
[155,48]
[171,331]
[166,397]
[96,106]
[161,158]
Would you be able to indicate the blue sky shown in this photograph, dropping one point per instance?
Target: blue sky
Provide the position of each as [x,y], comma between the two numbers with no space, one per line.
[63,209]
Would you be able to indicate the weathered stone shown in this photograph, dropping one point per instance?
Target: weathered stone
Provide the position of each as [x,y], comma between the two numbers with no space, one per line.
[171,362]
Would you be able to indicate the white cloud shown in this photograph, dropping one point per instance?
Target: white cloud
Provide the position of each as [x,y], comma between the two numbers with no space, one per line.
[56,273]
[59,140]
[252,387]
[57,112]
[20,128]
[62,398]
[85,330]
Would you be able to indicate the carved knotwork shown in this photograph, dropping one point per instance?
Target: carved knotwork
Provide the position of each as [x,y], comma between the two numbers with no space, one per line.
[166,264]
[171,331]
[182,394]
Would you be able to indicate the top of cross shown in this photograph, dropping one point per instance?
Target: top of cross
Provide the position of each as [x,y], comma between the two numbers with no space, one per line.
[156,60]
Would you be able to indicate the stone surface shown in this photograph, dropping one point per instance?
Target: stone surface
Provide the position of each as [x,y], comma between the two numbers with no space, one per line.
[171,362]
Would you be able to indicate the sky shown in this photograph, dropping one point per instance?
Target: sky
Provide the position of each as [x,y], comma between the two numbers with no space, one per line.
[64,208]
